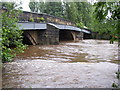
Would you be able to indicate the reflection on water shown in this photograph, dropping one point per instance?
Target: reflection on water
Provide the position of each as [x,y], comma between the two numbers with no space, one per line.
[84,64]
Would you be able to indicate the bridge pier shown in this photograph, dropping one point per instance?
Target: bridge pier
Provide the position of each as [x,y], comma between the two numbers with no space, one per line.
[50,36]
[77,35]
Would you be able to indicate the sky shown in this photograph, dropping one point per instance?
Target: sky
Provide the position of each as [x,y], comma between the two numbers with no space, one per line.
[25,5]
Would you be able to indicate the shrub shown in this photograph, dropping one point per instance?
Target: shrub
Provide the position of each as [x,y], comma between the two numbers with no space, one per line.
[11,34]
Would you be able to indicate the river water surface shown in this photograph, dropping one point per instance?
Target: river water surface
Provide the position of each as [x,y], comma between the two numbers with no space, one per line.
[84,64]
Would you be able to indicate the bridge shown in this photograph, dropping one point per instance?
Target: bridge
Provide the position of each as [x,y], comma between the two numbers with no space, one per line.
[42,29]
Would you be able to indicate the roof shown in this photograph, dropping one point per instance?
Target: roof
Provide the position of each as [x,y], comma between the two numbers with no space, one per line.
[43,26]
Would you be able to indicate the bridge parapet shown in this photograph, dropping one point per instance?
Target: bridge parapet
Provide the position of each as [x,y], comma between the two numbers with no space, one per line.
[41,17]
[26,16]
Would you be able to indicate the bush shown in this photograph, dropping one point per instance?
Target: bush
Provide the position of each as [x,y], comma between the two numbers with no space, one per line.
[11,34]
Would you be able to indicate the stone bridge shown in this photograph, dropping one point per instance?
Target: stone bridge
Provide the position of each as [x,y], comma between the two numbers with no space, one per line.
[42,17]
[42,29]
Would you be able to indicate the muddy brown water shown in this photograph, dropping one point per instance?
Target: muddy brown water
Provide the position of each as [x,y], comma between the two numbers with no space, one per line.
[83,64]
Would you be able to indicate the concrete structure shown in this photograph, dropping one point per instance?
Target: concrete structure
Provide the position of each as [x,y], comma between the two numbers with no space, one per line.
[45,29]
[42,33]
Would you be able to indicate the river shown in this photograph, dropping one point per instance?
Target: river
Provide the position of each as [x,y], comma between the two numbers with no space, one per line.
[83,64]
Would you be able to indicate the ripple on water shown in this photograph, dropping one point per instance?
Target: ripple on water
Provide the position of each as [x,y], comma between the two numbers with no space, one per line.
[89,63]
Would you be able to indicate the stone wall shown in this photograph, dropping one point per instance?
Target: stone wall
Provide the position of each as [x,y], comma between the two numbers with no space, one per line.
[26,16]
[49,36]
[36,17]
[79,36]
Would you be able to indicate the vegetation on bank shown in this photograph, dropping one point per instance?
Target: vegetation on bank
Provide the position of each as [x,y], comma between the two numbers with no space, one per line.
[111,23]
[11,34]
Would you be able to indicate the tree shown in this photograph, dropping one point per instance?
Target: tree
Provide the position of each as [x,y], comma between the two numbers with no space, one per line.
[85,10]
[34,6]
[42,7]
[11,34]
[101,12]
[52,8]
[71,12]
[79,12]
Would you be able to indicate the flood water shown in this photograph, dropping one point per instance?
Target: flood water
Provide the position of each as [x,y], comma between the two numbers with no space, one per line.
[83,64]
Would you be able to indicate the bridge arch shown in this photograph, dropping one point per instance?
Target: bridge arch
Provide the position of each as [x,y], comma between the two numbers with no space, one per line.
[65,35]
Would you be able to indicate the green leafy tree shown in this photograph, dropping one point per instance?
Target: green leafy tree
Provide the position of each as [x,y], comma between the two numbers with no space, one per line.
[80,24]
[11,34]
[52,8]
[79,12]
[113,9]
[34,6]
[70,11]
[42,7]
[85,11]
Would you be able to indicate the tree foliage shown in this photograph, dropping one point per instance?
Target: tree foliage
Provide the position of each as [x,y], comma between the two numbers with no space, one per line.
[112,22]
[52,8]
[11,34]
[85,11]
[34,6]
[70,11]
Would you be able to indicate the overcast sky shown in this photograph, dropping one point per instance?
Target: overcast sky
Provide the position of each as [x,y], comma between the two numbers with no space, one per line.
[25,5]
